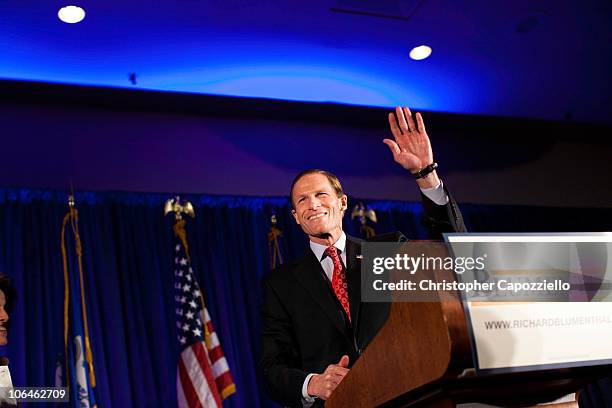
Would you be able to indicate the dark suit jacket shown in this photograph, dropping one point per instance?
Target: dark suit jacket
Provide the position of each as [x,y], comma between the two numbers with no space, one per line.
[304,326]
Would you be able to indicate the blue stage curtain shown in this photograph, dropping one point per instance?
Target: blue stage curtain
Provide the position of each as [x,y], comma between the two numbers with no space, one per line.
[127,246]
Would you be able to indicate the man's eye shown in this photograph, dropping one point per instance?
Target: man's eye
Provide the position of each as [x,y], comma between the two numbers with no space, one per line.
[319,194]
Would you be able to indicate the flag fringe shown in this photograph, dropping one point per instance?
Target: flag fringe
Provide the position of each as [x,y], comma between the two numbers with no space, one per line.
[66,291]
[227,391]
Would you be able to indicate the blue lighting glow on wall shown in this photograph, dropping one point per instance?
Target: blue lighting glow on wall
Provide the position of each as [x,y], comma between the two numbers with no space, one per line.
[318,77]
[301,51]
[179,58]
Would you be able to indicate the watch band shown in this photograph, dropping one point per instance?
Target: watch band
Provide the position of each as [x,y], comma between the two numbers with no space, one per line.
[425,171]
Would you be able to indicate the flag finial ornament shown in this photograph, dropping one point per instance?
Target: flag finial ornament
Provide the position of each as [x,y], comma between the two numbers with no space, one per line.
[174,205]
[364,213]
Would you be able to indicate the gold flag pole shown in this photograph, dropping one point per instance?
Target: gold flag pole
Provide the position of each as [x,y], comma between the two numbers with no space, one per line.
[274,251]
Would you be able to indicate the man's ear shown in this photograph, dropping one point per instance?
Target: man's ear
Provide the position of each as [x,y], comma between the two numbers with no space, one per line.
[295,217]
[344,202]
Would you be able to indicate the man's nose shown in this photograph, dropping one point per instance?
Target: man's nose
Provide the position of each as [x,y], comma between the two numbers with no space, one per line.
[315,202]
[3,315]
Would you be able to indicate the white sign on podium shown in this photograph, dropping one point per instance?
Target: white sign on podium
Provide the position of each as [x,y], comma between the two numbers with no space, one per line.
[509,336]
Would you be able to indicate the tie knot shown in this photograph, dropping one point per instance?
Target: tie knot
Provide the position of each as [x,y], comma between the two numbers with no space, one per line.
[331,251]
[333,254]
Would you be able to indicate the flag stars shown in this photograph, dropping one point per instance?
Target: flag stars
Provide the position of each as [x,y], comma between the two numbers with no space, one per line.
[191,326]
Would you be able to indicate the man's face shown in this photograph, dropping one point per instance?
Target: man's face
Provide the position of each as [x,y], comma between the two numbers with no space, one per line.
[3,320]
[318,209]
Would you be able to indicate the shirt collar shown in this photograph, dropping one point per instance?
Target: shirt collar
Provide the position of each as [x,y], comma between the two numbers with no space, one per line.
[319,249]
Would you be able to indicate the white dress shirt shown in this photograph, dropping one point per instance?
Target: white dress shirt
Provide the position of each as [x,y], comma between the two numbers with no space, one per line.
[326,261]
[6,383]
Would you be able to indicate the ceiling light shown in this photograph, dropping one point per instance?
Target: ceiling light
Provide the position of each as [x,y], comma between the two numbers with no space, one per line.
[71,14]
[421,52]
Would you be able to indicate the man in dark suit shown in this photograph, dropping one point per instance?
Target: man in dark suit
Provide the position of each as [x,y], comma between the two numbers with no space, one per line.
[314,323]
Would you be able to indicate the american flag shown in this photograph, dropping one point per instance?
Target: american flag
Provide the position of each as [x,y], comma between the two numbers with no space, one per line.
[203,376]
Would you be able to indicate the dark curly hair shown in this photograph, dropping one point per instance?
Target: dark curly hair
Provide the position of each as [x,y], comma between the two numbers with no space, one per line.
[9,292]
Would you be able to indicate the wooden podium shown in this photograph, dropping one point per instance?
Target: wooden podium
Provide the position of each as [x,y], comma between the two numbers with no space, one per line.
[422,357]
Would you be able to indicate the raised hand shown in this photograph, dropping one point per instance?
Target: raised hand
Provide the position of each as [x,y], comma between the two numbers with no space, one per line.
[411,147]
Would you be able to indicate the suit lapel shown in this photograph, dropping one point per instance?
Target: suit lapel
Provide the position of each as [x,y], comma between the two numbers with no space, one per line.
[353,277]
[310,275]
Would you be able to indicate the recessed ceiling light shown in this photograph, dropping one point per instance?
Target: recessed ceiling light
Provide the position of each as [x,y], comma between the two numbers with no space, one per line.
[71,14]
[421,52]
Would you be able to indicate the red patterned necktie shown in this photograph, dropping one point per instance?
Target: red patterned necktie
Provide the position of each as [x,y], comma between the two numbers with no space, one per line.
[339,279]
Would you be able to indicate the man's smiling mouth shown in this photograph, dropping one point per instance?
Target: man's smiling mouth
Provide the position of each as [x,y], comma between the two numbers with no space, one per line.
[316,216]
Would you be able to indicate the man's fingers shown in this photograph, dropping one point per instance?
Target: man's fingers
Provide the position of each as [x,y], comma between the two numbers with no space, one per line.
[401,119]
[334,376]
[395,149]
[340,371]
[420,123]
[327,382]
[394,128]
[335,372]
[408,114]
[333,382]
